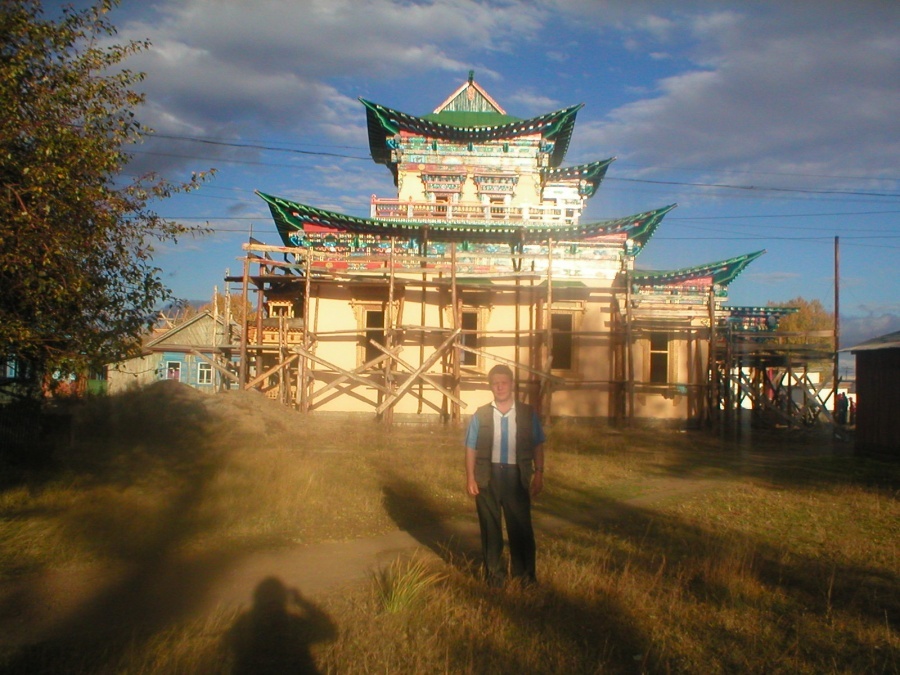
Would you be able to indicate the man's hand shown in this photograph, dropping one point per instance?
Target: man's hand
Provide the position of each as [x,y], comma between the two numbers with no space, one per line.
[537,483]
[472,487]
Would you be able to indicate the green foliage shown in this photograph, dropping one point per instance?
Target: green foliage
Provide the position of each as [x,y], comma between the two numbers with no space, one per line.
[76,236]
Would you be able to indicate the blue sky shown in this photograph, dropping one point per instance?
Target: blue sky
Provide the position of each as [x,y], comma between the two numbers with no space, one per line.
[773,125]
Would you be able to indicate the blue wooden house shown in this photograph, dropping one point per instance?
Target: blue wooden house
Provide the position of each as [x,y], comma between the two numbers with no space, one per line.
[197,353]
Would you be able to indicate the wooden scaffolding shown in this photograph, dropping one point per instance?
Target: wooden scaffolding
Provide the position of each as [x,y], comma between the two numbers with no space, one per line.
[775,377]
[280,355]
[278,350]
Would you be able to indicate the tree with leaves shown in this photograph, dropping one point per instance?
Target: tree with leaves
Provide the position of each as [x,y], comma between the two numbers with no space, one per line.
[811,316]
[77,279]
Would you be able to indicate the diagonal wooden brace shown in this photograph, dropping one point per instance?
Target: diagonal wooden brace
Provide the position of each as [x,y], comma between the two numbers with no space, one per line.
[394,396]
[345,374]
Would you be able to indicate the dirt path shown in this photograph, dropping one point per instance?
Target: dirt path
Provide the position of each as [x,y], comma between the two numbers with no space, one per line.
[100,598]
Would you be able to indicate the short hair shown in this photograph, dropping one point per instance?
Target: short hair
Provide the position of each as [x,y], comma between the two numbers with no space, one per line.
[501,369]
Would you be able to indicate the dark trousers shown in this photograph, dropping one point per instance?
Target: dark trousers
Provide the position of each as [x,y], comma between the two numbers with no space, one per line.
[505,495]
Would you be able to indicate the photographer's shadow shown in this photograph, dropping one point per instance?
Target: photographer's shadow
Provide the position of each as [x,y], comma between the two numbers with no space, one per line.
[276,634]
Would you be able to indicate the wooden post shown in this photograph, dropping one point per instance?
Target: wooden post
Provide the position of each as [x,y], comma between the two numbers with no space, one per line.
[227,336]
[629,351]
[245,324]
[547,366]
[389,333]
[305,365]
[837,330]
[727,368]
[455,412]
[712,384]
[259,322]
[282,380]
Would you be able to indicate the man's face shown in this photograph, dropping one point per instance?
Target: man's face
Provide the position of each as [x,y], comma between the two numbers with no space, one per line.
[501,387]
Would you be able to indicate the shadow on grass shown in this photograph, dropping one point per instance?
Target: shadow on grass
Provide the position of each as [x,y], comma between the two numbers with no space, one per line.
[409,506]
[727,570]
[551,629]
[276,634]
[164,432]
[779,457]
[573,631]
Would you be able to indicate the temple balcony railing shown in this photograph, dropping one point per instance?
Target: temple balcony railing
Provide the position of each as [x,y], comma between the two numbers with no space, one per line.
[396,209]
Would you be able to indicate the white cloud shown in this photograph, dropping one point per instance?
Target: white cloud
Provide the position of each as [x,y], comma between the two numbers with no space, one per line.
[535,103]
[268,63]
[858,329]
[814,85]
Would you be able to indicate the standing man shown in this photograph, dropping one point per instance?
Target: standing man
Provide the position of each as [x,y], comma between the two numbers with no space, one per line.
[504,470]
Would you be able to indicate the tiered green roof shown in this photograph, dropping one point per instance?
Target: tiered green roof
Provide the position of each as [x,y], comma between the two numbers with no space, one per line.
[592,173]
[384,123]
[292,216]
[722,272]
[470,115]
[466,119]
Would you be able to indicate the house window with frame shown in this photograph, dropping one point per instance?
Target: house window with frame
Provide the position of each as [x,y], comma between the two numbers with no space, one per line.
[562,352]
[9,368]
[204,373]
[659,358]
[173,370]
[469,337]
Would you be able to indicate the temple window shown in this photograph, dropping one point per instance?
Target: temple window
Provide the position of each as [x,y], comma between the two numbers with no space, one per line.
[495,184]
[562,325]
[443,183]
[374,331]
[659,358]
[469,337]
[281,308]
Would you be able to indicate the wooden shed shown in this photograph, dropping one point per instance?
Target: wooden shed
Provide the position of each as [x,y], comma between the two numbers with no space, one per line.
[878,395]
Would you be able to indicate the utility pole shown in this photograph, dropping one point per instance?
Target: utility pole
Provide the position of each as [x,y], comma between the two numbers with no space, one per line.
[837,328]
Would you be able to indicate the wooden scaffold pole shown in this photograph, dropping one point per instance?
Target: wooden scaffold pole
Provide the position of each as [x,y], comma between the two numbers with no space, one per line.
[545,400]
[712,381]
[245,323]
[629,351]
[455,412]
[304,365]
[389,334]
[837,331]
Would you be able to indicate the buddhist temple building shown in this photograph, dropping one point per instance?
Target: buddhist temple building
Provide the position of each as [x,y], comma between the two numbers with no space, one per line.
[482,257]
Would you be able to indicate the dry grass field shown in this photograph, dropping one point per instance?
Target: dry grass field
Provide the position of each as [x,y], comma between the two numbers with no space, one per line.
[658,552]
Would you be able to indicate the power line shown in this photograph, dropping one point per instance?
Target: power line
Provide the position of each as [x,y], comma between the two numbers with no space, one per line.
[227,160]
[757,173]
[786,215]
[757,188]
[252,143]
[320,153]
[255,146]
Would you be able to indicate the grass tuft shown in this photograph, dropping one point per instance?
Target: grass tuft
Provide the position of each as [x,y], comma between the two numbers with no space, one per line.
[403,583]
